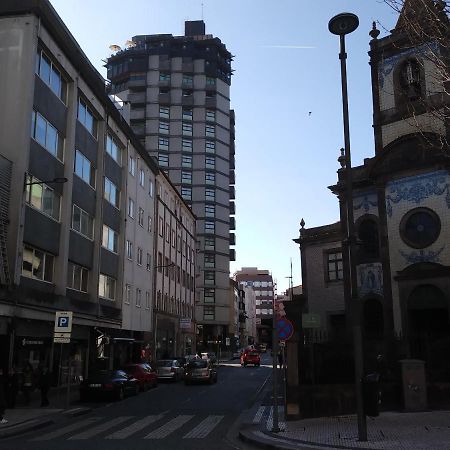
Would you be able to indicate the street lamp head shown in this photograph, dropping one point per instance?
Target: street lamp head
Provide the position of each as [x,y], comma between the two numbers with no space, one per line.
[59,180]
[343,23]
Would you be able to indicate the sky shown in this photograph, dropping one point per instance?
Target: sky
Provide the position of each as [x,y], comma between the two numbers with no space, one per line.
[286,93]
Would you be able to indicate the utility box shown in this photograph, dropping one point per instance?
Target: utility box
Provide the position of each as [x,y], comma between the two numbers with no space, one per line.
[414,384]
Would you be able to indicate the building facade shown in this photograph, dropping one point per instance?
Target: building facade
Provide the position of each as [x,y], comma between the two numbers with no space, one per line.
[178,92]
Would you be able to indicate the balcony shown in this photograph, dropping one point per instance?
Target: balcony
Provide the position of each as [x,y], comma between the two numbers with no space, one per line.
[232,177]
[232,193]
[232,239]
[232,254]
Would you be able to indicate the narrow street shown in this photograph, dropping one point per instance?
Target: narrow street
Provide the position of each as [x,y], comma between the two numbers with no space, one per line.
[172,416]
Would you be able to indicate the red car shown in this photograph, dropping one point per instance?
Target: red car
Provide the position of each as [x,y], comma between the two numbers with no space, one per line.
[250,356]
[145,375]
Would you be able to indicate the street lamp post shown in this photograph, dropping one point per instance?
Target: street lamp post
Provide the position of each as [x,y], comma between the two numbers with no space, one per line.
[341,25]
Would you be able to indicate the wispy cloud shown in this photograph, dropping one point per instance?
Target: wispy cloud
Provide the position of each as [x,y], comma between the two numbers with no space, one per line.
[288,46]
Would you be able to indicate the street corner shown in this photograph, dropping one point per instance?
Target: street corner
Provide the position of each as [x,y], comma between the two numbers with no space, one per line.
[252,434]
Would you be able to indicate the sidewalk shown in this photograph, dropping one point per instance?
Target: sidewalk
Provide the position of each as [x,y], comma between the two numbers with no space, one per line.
[25,418]
[389,431]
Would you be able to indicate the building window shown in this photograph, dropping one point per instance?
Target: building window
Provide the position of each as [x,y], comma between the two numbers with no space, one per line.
[161,227]
[129,249]
[141,217]
[83,168]
[147,300]
[130,207]
[334,266]
[420,227]
[164,127]
[187,114]
[163,143]
[149,223]
[46,135]
[186,177]
[138,297]
[210,261]
[109,239]
[132,165]
[186,193]
[210,130]
[187,129]
[210,211]
[368,237]
[210,162]
[209,296]
[149,261]
[128,293]
[82,222]
[208,313]
[139,256]
[77,277]
[164,90]
[37,264]
[51,75]
[150,188]
[186,161]
[164,76]
[167,232]
[187,78]
[164,112]
[86,117]
[174,241]
[410,81]
[142,177]
[163,160]
[209,226]
[210,115]
[113,149]
[210,146]
[210,81]
[186,145]
[106,287]
[160,268]
[111,193]
[210,178]
[210,194]
[210,243]
[187,92]
[43,198]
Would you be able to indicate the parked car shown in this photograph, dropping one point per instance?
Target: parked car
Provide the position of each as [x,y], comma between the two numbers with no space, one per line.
[210,356]
[200,370]
[250,357]
[115,384]
[169,369]
[144,373]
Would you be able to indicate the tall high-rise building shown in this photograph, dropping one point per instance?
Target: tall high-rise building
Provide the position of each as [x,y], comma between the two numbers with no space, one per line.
[177,92]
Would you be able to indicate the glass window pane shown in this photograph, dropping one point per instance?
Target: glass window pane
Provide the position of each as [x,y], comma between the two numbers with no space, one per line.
[76,277]
[84,280]
[55,82]
[76,219]
[81,112]
[40,132]
[51,142]
[86,170]
[38,264]
[47,202]
[48,276]
[27,262]
[36,195]
[44,70]
[89,122]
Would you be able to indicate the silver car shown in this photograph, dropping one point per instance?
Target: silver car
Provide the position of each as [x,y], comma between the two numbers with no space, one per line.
[169,369]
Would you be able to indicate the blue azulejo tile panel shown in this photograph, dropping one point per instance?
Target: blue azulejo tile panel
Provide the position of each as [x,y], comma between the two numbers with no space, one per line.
[420,256]
[417,188]
[370,279]
[365,203]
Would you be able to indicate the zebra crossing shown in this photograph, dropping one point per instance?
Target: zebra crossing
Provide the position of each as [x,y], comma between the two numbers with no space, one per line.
[122,427]
[264,417]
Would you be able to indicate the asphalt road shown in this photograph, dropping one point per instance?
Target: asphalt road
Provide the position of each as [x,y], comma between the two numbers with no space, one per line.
[173,416]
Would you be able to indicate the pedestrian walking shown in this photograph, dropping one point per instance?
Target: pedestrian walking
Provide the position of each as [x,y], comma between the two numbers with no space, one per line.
[27,386]
[12,388]
[44,382]
[280,359]
[2,398]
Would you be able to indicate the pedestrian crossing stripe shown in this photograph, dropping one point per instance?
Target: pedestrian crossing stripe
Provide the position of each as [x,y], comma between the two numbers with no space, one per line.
[61,431]
[203,428]
[267,413]
[169,427]
[135,427]
[100,428]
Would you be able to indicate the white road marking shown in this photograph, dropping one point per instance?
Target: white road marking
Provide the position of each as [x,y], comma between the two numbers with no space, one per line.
[135,427]
[100,428]
[203,428]
[68,429]
[169,427]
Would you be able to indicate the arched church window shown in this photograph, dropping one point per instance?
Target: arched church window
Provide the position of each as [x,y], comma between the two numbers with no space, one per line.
[410,79]
[368,239]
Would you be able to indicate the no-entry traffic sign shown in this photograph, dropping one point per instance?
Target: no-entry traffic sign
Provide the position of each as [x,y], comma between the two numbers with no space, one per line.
[285,329]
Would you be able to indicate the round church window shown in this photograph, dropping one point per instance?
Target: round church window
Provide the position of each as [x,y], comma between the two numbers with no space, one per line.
[420,227]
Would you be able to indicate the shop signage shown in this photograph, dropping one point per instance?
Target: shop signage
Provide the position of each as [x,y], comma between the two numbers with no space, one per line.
[31,342]
[63,327]
[61,340]
[185,324]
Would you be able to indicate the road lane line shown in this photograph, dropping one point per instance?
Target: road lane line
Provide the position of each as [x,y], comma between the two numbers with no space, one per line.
[100,428]
[135,427]
[68,429]
[203,428]
[169,427]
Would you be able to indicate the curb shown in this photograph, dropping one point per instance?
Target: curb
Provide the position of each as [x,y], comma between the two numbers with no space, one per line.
[24,427]
[75,412]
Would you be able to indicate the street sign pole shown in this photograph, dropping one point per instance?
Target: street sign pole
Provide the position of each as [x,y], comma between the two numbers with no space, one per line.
[275,426]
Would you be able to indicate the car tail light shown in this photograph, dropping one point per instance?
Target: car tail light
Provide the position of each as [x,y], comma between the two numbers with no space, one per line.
[108,385]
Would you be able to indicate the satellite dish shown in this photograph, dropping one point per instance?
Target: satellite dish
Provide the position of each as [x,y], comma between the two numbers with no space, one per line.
[130,44]
[115,48]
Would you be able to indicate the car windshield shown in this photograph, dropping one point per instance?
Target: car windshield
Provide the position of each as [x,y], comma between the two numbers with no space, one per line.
[165,363]
[198,364]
